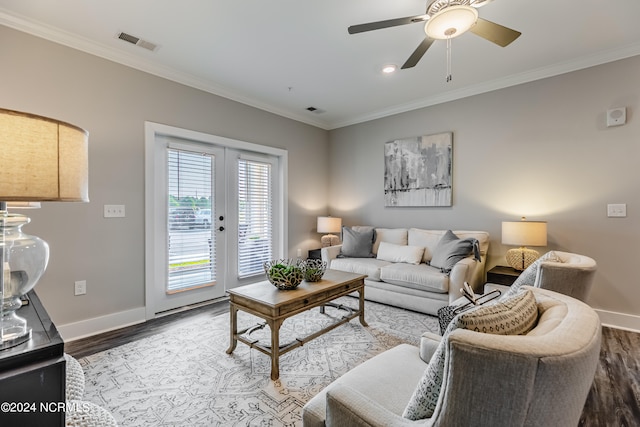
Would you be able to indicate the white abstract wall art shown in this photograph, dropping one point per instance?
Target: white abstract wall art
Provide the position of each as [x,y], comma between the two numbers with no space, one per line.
[418,171]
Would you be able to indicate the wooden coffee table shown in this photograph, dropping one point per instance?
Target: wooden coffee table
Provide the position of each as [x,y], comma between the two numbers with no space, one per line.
[274,306]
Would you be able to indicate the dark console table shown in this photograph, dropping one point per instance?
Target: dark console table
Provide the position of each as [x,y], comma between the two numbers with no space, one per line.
[32,374]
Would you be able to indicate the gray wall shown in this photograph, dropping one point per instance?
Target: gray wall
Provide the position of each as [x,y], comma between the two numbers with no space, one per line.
[541,150]
[112,102]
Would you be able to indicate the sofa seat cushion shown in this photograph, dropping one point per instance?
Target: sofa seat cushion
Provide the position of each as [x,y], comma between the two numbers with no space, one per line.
[421,277]
[369,266]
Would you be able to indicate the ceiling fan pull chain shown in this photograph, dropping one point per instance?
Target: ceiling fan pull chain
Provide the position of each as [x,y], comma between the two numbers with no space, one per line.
[448,59]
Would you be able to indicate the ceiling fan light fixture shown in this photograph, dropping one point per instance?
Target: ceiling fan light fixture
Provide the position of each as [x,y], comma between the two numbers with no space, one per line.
[451,22]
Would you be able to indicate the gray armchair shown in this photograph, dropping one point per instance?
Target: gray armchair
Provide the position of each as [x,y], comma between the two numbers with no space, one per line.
[541,378]
[572,276]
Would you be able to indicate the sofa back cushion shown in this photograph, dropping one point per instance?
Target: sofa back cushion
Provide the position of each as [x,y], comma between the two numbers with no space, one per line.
[428,239]
[397,236]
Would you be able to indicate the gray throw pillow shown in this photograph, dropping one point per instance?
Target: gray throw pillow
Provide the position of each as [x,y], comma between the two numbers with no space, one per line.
[451,249]
[357,244]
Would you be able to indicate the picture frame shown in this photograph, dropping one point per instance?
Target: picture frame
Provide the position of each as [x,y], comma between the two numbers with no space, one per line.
[418,171]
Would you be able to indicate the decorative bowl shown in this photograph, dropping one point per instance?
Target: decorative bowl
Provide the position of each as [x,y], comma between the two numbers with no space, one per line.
[314,269]
[284,274]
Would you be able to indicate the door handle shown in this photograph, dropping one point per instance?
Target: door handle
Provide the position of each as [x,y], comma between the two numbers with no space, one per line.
[221,228]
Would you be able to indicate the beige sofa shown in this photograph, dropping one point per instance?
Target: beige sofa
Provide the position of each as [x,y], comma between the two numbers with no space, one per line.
[541,378]
[419,287]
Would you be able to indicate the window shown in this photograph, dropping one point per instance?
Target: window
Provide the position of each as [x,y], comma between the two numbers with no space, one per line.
[191,249]
[255,216]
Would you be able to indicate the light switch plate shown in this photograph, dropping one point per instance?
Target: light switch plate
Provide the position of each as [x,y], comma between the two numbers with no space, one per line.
[617,210]
[114,211]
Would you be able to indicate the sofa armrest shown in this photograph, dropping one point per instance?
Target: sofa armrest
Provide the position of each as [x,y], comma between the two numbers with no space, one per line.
[347,407]
[330,253]
[429,342]
[462,272]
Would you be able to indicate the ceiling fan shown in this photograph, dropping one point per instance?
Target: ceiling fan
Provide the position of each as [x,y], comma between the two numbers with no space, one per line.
[446,19]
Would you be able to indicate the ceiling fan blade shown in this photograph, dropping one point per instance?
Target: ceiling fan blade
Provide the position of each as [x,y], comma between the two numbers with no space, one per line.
[361,28]
[496,33]
[418,53]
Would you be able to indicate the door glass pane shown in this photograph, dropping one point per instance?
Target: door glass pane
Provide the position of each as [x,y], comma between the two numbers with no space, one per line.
[191,249]
[254,217]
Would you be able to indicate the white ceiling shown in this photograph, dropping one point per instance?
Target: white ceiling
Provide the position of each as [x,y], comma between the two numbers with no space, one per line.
[286,55]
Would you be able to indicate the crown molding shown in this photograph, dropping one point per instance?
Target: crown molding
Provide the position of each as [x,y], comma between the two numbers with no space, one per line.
[74,41]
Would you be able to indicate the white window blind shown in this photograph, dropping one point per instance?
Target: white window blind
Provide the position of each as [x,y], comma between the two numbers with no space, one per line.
[191,245]
[255,216]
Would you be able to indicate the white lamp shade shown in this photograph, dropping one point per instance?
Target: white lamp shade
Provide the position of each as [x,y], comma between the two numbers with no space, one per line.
[23,205]
[524,233]
[329,224]
[42,159]
[451,22]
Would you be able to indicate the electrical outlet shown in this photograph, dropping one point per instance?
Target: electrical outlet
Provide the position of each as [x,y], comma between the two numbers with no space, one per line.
[80,287]
[617,210]
[114,211]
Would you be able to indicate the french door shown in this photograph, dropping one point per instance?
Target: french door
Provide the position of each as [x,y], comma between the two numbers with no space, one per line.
[195,244]
[214,216]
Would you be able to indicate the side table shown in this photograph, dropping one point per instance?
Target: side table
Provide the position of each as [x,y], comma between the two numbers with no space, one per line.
[502,275]
[315,254]
[32,374]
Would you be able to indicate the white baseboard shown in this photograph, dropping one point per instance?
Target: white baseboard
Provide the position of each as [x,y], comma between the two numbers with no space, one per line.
[628,322]
[110,322]
[97,325]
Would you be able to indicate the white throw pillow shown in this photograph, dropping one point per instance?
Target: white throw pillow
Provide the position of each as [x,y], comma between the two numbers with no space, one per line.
[400,253]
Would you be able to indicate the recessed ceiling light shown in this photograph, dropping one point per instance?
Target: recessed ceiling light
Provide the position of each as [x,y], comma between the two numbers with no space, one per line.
[389,69]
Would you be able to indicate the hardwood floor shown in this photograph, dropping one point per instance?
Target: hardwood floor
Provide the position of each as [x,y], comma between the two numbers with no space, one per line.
[97,343]
[614,399]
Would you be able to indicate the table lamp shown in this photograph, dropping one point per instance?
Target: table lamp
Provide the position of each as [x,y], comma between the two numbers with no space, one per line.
[523,233]
[329,224]
[42,160]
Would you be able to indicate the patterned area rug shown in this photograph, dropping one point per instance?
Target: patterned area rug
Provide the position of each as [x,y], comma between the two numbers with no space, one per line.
[183,377]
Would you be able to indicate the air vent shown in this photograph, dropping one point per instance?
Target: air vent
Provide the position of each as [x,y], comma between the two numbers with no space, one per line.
[137,41]
[314,110]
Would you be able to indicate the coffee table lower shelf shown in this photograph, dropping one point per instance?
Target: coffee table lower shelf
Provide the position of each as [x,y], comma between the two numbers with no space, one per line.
[265,301]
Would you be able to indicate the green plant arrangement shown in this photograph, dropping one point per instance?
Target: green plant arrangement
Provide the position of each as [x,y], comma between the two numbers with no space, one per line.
[314,269]
[284,274]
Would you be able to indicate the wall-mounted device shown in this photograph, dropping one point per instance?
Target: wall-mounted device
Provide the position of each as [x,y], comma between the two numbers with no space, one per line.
[616,116]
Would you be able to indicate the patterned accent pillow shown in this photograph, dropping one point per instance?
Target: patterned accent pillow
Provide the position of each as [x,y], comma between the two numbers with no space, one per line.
[515,315]
[512,316]
[528,276]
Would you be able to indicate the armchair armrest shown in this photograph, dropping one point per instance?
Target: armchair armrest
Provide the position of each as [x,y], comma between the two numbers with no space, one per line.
[330,253]
[347,407]
[429,342]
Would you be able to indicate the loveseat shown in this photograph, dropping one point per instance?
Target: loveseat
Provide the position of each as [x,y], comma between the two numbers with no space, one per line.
[536,378]
[400,269]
